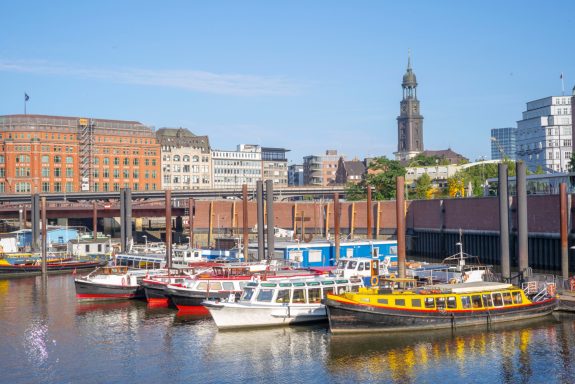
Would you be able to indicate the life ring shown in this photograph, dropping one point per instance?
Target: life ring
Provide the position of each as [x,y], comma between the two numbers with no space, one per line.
[453,281]
[374,281]
[551,291]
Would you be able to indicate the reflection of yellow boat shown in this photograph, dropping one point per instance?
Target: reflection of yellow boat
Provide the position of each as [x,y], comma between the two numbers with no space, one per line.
[405,357]
[436,307]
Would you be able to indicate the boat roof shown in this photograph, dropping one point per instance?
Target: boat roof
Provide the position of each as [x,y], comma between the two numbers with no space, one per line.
[478,286]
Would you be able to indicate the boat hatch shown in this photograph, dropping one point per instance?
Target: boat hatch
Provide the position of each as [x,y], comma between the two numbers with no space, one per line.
[269,285]
[285,284]
[329,282]
[313,283]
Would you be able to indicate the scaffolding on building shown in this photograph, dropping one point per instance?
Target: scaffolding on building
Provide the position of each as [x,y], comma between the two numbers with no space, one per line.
[86,139]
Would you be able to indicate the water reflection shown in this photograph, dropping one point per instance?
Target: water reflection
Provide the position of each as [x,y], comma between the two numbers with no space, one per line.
[49,337]
[505,353]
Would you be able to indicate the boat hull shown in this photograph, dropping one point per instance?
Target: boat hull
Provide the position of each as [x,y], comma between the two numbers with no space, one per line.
[183,298]
[156,294]
[52,268]
[352,318]
[86,290]
[235,316]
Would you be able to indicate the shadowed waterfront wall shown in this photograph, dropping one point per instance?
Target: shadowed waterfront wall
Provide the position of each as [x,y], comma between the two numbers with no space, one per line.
[432,225]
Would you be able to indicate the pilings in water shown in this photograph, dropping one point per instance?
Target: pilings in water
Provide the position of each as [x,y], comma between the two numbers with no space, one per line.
[369,212]
[191,215]
[245,220]
[35,221]
[260,212]
[563,231]
[44,238]
[95,220]
[504,222]
[125,218]
[270,217]
[169,228]
[336,217]
[522,231]
[400,219]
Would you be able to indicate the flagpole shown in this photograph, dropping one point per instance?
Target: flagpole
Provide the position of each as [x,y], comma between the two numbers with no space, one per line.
[562,85]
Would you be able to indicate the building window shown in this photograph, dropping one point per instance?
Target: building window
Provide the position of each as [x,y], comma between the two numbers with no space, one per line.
[57,159]
[57,187]
[126,161]
[69,186]
[57,172]
[69,172]
[69,160]
[116,161]
[45,187]
[136,161]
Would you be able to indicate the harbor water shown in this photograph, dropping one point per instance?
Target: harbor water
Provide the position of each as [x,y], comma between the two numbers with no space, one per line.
[47,336]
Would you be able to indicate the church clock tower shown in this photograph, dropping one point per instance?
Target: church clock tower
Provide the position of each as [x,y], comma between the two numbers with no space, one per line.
[409,121]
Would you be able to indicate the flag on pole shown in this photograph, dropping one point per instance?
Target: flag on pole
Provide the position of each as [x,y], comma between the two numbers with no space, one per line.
[26,97]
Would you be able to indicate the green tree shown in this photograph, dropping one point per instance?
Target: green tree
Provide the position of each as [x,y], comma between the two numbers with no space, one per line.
[355,192]
[422,187]
[382,177]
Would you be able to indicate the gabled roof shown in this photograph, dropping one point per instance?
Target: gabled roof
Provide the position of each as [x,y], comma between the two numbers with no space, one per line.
[354,168]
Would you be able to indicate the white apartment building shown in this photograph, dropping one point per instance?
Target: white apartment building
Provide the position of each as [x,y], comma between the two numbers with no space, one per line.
[186,159]
[232,169]
[544,136]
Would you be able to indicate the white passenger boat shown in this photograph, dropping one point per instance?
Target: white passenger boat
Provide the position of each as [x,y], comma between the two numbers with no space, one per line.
[283,302]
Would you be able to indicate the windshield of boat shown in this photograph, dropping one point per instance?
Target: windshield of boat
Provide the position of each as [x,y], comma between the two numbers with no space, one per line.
[247,294]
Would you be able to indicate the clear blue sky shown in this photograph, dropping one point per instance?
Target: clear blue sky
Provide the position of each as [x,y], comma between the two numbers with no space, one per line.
[304,75]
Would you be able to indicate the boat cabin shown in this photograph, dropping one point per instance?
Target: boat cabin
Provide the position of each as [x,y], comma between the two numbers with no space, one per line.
[297,292]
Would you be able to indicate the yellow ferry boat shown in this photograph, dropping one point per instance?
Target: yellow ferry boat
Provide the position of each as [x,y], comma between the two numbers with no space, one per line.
[391,309]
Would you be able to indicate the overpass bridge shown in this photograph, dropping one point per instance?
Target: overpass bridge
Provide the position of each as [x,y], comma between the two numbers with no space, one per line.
[285,193]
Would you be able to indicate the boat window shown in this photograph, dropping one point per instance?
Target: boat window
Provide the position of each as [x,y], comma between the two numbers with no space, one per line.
[440,302]
[517,298]
[202,286]
[242,284]
[416,303]
[487,302]
[476,301]
[314,295]
[247,295]
[451,302]
[400,302]
[265,295]
[497,299]
[465,302]
[285,284]
[507,298]
[298,296]
[215,286]
[360,267]
[382,301]
[429,302]
[354,288]
[352,264]
[312,283]
[341,264]
[283,296]
[228,286]
[327,291]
